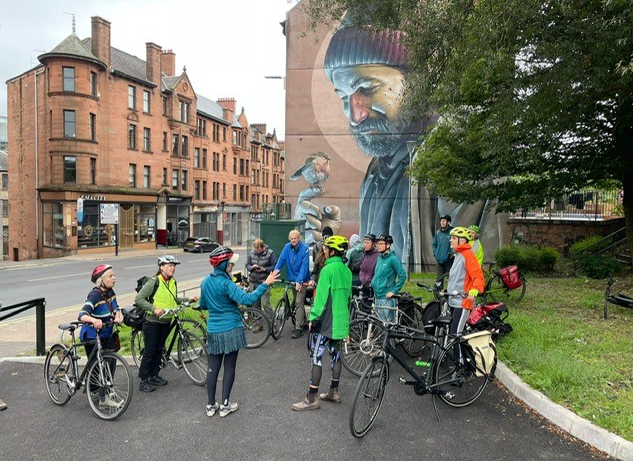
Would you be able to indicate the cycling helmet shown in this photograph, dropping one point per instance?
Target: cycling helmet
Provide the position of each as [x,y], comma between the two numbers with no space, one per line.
[167,259]
[337,243]
[446,216]
[221,254]
[327,232]
[461,232]
[371,237]
[99,271]
[385,238]
[475,228]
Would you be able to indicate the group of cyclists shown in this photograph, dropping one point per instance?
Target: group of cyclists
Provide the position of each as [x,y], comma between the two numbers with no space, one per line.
[336,268]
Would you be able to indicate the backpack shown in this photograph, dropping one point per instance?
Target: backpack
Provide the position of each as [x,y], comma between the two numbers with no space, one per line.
[134,316]
[490,317]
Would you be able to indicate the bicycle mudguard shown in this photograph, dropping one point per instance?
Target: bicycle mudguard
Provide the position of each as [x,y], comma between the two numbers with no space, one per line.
[621,300]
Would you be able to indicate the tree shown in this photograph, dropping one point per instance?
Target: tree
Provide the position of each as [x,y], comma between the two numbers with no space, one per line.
[535,97]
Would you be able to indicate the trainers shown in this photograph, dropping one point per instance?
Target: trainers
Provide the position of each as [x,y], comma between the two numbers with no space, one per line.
[331,396]
[211,409]
[3,406]
[227,409]
[305,405]
[157,381]
[297,334]
[146,386]
[109,402]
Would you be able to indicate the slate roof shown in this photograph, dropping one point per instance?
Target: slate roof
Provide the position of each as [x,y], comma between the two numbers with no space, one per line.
[72,46]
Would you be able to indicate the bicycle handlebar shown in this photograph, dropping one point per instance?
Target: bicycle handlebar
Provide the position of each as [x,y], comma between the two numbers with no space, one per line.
[180,307]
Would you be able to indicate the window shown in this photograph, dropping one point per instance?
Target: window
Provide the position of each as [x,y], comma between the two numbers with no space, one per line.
[224,134]
[216,191]
[174,179]
[224,190]
[183,111]
[234,138]
[204,190]
[92,127]
[216,161]
[165,141]
[185,146]
[196,157]
[5,181]
[184,177]
[196,190]
[146,101]
[234,165]
[53,224]
[146,139]
[131,136]
[165,183]
[174,145]
[131,97]
[223,162]
[216,133]
[69,124]
[132,175]
[234,192]
[164,106]
[69,78]
[202,127]
[146,177]
[204,159]
[93,171]
[70,169]
[93,84]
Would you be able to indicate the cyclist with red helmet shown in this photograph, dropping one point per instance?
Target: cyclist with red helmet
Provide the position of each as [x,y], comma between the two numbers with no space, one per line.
[225,332]
[156,329]
[101,307]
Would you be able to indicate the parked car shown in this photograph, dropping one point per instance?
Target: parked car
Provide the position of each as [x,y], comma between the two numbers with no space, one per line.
[200,244]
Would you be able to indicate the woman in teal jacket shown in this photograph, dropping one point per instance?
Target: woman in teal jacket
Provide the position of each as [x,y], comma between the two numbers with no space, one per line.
[389,278]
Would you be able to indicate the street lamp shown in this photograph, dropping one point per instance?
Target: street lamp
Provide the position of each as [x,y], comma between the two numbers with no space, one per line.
[411,147]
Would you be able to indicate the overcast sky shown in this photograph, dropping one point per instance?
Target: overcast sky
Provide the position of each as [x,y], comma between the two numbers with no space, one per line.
[242,37]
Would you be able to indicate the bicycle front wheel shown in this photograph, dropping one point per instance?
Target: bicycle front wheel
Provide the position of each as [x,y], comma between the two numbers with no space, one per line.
[363,344]
[497,291]
[137,346]
[457,383]
[256,327]
[370,391]
[279,318]
[192,354]
[197,327]
[411,346]
[56,369]
[109,386]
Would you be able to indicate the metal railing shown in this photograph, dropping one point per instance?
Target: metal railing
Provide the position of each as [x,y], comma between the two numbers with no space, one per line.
[40,328]
[586,204]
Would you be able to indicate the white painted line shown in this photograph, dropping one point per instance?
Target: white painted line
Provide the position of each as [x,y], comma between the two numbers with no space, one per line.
[139,267]
[83,274]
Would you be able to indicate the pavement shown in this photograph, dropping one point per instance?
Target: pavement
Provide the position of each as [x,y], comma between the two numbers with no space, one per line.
[17,343]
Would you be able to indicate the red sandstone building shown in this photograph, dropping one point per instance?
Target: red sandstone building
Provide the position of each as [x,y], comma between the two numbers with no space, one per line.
[98,135]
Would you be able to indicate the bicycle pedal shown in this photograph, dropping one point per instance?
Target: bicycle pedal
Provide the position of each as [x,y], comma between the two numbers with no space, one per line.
[404,382]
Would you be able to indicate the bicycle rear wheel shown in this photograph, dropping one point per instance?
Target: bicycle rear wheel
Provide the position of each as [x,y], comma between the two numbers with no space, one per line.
[498,292]
[192,355]
[56,369]
[364,343]
[256,327]
[458,384]
[411,346]
[279,318]
[109,386]
[370,391]
[137,346]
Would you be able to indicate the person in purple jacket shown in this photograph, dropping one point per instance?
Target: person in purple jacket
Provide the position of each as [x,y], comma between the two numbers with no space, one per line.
[368,263]
[295,257]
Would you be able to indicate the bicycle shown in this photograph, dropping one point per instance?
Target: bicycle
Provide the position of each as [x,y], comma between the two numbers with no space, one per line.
[366,333]
[361,301]
[456,382]
[619,299]
[192,350]
[106,378]
[498,291]
[284,310]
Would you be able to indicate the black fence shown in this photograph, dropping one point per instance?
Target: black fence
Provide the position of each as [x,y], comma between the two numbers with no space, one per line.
[40,328]
[587,204]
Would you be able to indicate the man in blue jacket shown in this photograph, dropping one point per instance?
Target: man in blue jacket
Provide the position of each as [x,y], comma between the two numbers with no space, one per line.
[295,257]
[442,247]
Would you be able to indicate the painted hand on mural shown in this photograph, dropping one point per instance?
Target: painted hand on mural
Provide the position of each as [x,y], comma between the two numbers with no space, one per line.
[316,219]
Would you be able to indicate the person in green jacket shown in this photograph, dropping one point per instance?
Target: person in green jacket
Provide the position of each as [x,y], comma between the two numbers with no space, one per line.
[389,278]
[329,322]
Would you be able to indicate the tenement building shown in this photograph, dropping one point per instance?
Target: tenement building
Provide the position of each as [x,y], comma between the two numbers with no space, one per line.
[107,149]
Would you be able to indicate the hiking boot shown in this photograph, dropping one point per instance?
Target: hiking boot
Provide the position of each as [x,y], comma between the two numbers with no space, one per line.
[227,409]
[109,402]
[305,404]
[331,396]
[3,406]
[297,334]
[211,409]
[146,386]
[157,381]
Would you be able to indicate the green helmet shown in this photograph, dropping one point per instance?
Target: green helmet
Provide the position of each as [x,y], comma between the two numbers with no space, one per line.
[337,243]
[475,228]
[460,232]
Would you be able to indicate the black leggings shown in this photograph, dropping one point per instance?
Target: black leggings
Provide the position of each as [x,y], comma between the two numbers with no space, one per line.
[215,362]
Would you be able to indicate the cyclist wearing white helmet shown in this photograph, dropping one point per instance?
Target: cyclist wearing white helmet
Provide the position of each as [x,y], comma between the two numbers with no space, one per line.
[156,329]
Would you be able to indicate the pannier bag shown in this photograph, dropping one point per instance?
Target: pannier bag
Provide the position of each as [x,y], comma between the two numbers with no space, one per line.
[480,347]
[133,316]
[491,317]
[510,277]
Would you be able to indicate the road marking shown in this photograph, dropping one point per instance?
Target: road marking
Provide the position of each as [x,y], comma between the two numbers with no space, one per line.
[82,274]
[140,267]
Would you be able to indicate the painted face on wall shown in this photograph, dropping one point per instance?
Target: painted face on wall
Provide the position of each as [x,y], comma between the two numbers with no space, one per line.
[371,96]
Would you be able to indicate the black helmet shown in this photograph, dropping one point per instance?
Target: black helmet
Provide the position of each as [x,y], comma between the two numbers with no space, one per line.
[446,216]
[385,238]
[327,232]
[371,237]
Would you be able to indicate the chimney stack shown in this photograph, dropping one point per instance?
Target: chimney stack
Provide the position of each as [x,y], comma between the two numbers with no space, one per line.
[229,105]
[153,54]
[101,39]
[168,63]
